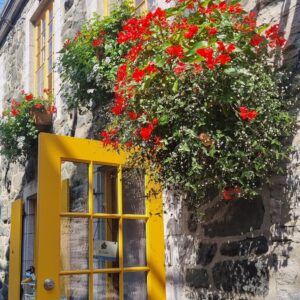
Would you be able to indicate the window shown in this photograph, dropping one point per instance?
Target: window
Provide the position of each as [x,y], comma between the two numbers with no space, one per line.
[43,60]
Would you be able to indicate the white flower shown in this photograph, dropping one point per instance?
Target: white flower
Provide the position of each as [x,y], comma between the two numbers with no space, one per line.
[90,91]
[107,60]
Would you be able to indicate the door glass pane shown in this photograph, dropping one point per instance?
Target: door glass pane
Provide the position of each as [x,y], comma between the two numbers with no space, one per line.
[105,238]
[105,189]
[74,287]
[134,235]
[74,243]
[135,286]
[75,186]
[106,286]
[133,191]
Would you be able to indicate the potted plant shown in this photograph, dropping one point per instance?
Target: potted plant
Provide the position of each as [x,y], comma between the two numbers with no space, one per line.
[21,123]
[198,97]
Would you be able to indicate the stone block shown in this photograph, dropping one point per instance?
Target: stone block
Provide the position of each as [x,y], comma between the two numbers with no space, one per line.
[244,276]
[234,218]
[197,278]
[206,253]
[258,245]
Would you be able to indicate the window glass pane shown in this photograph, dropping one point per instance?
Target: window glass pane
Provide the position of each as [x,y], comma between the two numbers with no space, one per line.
[74,243]
[134,243]
[50,29]
[75,186]
[105,189]
[133,191]
[135,286]
[74,287]
[50,80]
[106,286]
[105,238]
[40,81]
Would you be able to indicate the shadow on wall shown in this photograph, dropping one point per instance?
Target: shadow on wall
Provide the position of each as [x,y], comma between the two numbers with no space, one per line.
[244,249]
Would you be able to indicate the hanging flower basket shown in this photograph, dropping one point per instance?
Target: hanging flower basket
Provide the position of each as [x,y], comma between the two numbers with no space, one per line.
[42,118]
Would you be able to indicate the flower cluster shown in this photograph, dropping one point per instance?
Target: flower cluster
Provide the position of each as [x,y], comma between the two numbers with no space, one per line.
[89,61]
[198,97]
[18,130]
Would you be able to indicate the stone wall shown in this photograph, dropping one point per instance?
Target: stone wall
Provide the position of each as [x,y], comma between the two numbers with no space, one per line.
[238,250]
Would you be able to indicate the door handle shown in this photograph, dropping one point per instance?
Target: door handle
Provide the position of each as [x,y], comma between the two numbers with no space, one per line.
[49,284]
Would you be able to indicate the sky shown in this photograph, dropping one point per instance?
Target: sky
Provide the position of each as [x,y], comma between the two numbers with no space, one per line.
[2,4]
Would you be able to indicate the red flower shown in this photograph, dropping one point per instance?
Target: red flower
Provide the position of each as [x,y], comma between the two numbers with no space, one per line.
[227,195]
[231,193]
[176,51]
[280,41]
[134,52]
[230,48]
[192,31]
[97,42]
[146,132]
[14,112]
[138,75]
[67,43]
[213,31]
[221,46]
[247,115]
[38,105]
[252,115]
[29,97]
[133,115]
[235,8]
[223,59]
[256,40]
[122,73]
[117,110]
[52,109]
[151,68]
[155,121]
[205,52]
[272,32]
[157,140]
[180,68]
[197,68]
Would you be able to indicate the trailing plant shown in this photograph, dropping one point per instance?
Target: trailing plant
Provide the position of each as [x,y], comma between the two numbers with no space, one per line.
[18,131]
[197,95]
[89,62]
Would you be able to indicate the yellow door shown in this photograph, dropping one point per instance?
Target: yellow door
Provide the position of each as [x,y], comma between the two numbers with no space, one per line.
[99,229]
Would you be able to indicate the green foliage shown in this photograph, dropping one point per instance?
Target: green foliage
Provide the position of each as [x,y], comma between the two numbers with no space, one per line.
[89,69]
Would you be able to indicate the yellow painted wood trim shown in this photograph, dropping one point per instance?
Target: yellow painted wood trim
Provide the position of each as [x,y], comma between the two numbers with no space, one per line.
[105,8]
[15,256]
[35,60]
[46,62]
[91,231]
[156,279]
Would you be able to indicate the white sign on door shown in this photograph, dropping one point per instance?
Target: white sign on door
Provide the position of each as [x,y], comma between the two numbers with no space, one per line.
[105,250]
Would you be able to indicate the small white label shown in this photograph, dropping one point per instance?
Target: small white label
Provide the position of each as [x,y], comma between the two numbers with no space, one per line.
[105,250]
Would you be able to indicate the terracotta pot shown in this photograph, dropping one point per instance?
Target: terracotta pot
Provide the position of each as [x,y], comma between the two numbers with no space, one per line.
[42,118]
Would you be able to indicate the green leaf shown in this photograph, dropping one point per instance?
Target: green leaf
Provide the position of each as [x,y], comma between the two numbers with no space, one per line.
[175,86]
[262,28]
[163,120]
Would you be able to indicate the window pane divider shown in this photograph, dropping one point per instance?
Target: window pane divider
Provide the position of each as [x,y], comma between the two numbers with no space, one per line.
[75,214]
[107,216]
[135,217]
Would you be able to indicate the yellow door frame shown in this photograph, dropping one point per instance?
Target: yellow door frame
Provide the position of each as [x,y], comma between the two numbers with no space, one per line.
[15,251]
[53,150]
